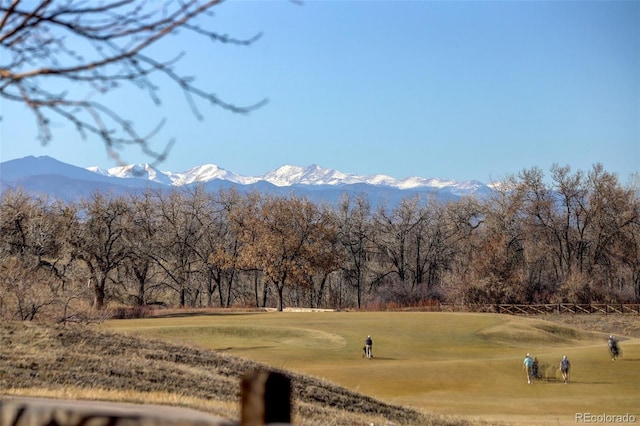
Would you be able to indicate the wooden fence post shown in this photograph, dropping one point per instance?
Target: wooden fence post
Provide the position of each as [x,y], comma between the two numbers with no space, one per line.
[266,398]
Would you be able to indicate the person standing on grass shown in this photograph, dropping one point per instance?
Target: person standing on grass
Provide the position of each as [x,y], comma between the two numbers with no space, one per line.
[368,347]
[614,350]
[565,365]
[534,368]
[528,366]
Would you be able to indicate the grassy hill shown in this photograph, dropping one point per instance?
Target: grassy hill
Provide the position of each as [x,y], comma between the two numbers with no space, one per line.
[428,368]
[84,363]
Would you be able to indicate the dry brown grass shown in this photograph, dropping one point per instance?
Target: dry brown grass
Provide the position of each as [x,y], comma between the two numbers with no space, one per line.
[619,325]
[81,363]
[77,362]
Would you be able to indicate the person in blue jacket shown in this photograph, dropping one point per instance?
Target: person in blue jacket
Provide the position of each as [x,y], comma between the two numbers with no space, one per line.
[565,365]
[528,366]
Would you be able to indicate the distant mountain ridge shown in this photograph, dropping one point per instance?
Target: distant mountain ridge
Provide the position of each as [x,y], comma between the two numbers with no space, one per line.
[286,175]
[46,175]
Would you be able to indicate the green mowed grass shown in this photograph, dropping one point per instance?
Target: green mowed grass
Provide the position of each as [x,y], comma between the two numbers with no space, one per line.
[446,363]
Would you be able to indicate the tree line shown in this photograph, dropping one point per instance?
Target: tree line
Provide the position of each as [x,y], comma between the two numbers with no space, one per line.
[574,238]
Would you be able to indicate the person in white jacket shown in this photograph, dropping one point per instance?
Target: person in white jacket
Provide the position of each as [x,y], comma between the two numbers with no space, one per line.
[527,364]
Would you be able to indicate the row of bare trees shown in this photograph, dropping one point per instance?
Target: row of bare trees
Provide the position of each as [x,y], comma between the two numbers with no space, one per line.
[575,238]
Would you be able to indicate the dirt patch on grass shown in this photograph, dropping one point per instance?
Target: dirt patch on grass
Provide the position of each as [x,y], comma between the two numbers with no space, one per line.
[51,358]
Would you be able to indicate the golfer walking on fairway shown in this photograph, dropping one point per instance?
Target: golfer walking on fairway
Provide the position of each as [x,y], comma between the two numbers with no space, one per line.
[528,366]
[368,344]
[565,365]
[614,350]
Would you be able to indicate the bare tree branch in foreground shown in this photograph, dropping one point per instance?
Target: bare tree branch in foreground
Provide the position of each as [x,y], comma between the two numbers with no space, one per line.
[56,57]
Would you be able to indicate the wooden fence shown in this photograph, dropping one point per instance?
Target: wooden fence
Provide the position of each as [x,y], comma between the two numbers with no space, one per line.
[534,309]
[570,308]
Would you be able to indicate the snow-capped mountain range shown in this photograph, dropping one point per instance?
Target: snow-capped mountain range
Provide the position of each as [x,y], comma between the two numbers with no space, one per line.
[282,177]
[48,176]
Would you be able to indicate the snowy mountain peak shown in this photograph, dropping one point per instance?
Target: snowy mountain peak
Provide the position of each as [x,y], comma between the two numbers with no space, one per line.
[139,171]
[205,173]
[313,175]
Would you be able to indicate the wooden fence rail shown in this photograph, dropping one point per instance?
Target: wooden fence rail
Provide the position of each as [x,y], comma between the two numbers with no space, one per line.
[533,309]
[569,308]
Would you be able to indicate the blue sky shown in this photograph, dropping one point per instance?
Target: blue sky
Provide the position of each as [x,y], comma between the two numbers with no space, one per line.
[447,89]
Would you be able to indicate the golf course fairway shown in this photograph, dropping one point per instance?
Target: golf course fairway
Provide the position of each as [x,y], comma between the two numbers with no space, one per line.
[460,364]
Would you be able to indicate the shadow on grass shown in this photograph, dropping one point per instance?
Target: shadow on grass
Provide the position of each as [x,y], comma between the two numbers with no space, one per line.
[205,314]
[572,382]
[242,348]
[586,382]
[380,358]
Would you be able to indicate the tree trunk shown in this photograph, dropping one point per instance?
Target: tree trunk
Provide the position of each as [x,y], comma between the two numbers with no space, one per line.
[183,297]
[140,301]
[280,297]
[320,295]
[265,287]
[211,287]
[99,293]
[229,285]
[221,297]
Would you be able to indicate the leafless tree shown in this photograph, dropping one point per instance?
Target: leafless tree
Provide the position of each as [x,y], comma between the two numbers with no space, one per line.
[24,232]
[613,226]
[34,264]
[242,215]
[450,236]
[176,253]
[497,260]
[224,248]
[140,275]
[324,256]
[355,236]
[395,228]
[62,58]
[98,243]
[289,243]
